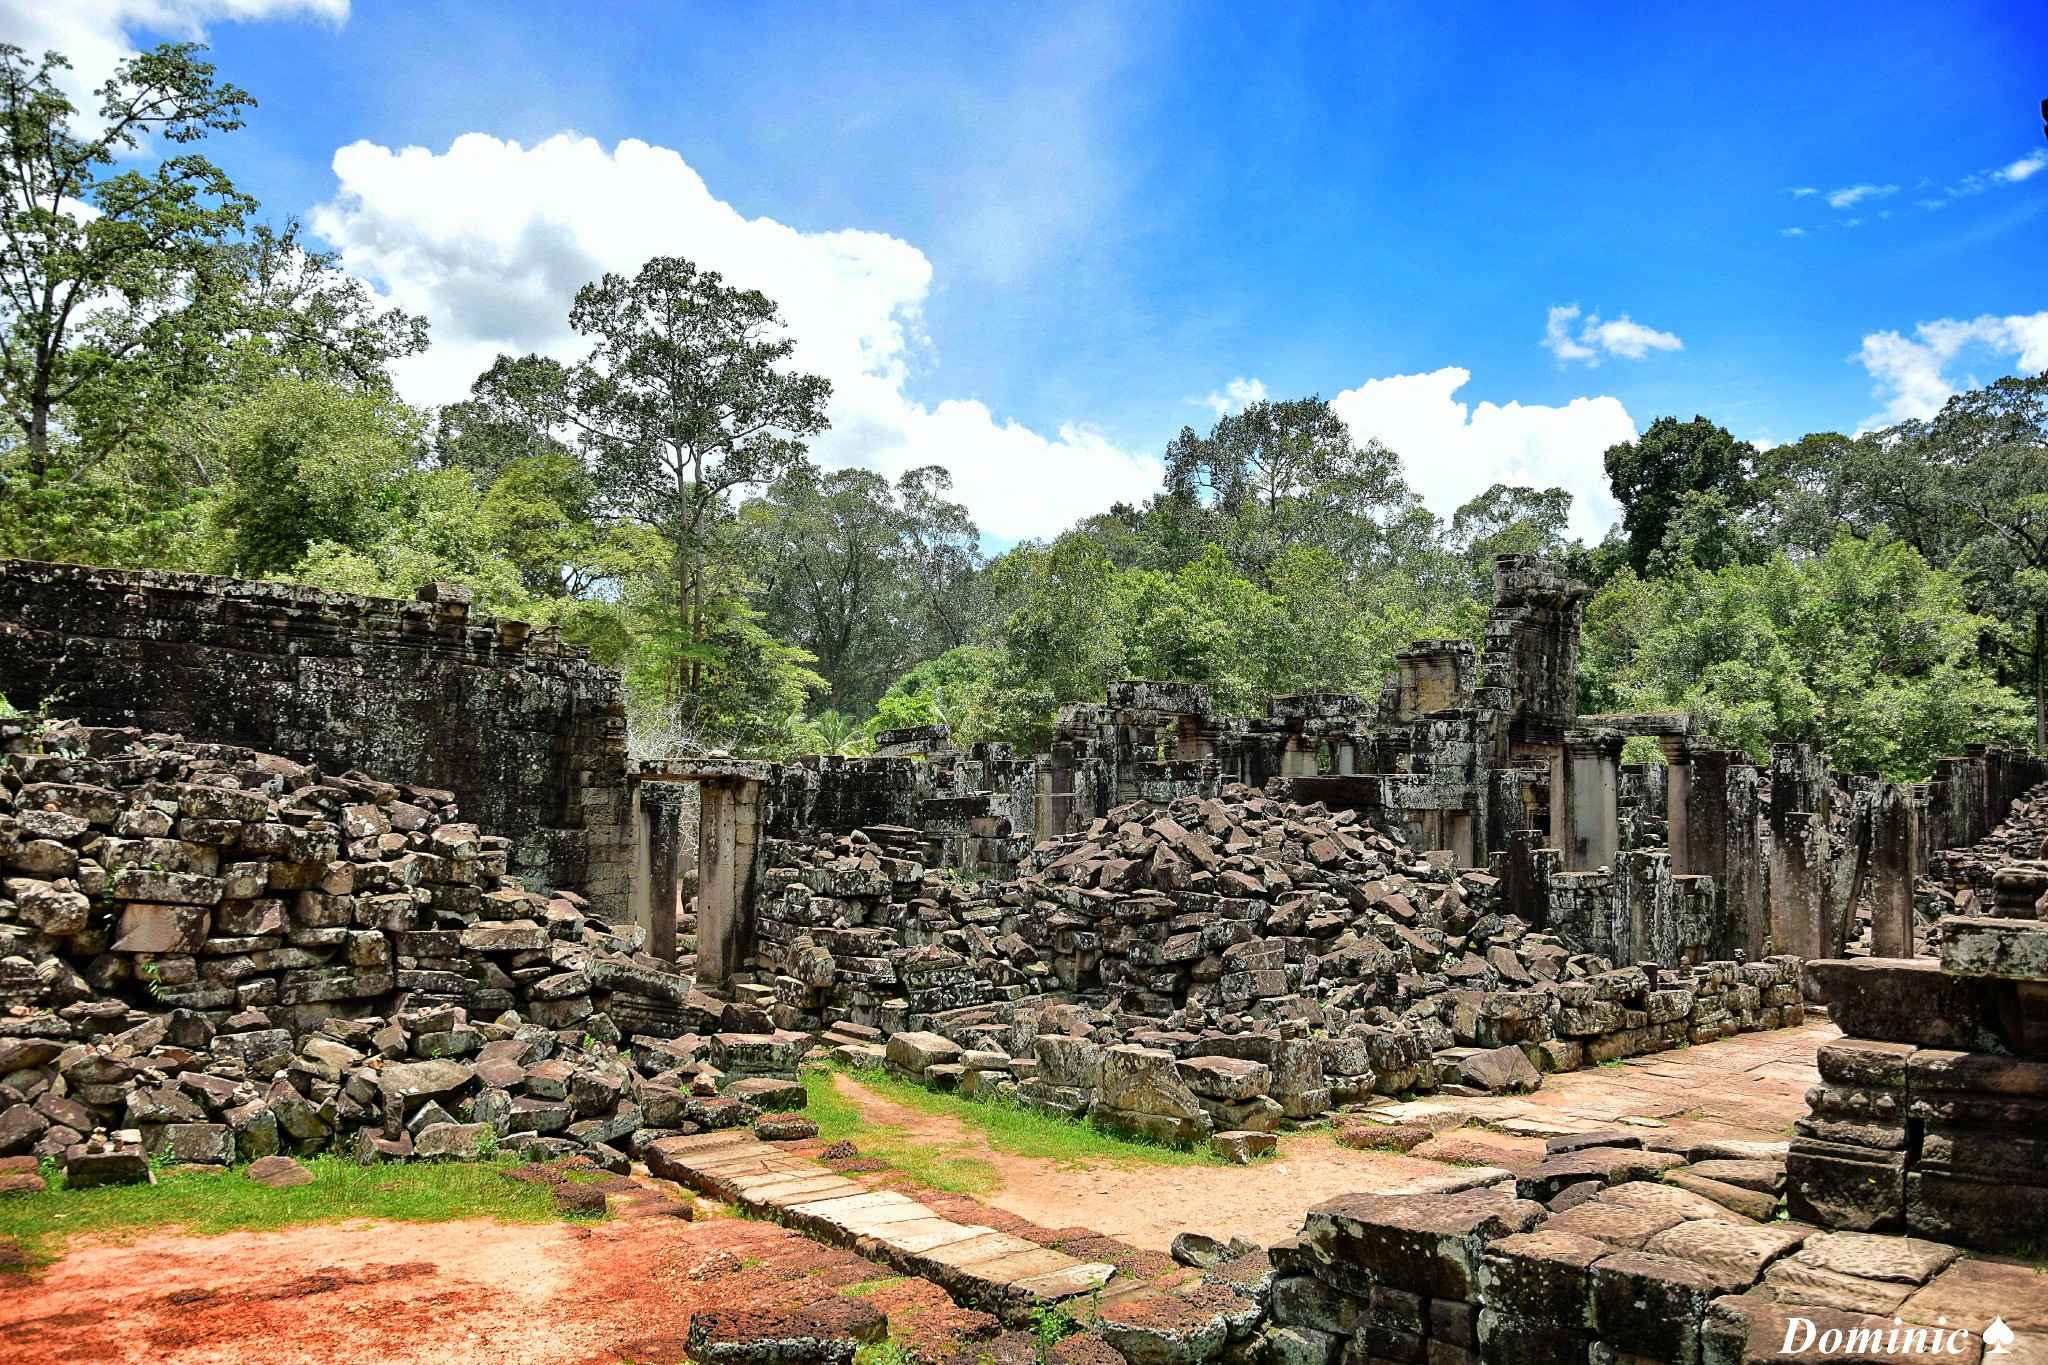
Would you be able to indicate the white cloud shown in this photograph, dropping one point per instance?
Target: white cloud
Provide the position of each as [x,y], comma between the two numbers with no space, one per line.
[96,34]
[2024,167]
[1912,373]
[1856,194]
[490,240]
[1453,451]
[1596,339]
[1239,394]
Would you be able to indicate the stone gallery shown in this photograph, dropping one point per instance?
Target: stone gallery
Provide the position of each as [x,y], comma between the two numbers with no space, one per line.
[288,871]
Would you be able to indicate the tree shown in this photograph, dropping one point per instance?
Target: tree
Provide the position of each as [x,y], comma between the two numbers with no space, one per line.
[1986,461]
[684,400]
[306,463]
[1866,651]
[868,577]
[1652,475]
[94,263]
[516,410]
[1507,519]
[1280,474]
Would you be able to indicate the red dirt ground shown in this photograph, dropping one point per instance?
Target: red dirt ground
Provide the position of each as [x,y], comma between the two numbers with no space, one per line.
[437,1294]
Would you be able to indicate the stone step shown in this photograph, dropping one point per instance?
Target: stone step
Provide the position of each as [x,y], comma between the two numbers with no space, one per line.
[980,1267]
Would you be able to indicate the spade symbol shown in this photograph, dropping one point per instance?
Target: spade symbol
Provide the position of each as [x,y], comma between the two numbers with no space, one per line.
[1998,1336]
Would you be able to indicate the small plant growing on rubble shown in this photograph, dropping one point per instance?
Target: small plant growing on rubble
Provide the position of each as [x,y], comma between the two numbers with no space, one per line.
[884,1353]
[153,979]
[1052,1324]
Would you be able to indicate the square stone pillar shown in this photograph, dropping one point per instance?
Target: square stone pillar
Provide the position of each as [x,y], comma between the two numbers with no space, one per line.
[1799,875]
[1678,803]
[660,866]
[727,841]
[1593,759]
[1892,846]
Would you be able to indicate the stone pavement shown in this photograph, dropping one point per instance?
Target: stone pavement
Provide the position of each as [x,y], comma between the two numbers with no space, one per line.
[1754,1084]
[979,1266]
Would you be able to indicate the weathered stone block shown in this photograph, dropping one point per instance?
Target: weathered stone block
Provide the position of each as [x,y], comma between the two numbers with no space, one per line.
[1426,1244]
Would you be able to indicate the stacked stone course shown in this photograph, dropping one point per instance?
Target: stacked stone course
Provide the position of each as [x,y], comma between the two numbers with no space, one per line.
[219,954]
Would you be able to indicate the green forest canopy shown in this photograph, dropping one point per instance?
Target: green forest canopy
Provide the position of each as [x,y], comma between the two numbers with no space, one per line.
[188,387]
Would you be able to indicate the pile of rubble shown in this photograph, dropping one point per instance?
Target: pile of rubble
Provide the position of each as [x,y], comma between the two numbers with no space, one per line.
[425,1083]
[2005,873]
[1214,965]
[146,874]
[221,955]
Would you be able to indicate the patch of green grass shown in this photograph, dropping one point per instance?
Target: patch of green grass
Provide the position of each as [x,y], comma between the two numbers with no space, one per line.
[943,1166]
[867,1287]
[206,1203]
[1004,1124]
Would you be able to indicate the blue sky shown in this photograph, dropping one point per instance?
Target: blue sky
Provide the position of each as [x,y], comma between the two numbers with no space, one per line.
[1031,241]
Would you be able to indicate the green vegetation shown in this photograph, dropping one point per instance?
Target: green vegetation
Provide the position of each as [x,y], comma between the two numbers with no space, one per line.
[184,385]
[1052,1324]
[206,1203]
[1004,1125]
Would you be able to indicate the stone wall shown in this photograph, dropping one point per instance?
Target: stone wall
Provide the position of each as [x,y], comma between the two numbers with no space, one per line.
[527,733]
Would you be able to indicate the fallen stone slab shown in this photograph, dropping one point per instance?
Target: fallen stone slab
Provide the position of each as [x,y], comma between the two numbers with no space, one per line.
[1565,1143]
[1904,1260]
[1420,1243]
[104,1160]
[1746,1202]
[785,1128]
[279,1172]
[1609,1165]
[1502,1071]
[1667,1198]
[1164,1329]
[1243,1147]
[21,1175]
[1741,1250]
[1807,1282]
[767,1336]
[1620,1228]
[1765,1177]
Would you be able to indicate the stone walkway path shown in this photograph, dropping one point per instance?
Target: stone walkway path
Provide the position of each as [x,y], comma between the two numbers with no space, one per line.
[1754,1085]
[998,1271]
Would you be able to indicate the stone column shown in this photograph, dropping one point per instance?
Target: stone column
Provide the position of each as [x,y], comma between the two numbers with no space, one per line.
[1798,887]
[1678,802]
[1891,866]
[1594,759]
[726,842]
[658,888]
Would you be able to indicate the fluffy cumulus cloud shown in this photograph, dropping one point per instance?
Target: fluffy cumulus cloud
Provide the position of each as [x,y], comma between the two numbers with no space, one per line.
[490,240]
[1571,335]
[1912,373]
[97,34]
[1454,451]
[1239,394]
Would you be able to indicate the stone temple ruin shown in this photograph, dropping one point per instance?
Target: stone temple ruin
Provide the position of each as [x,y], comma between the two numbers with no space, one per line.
[298,871]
